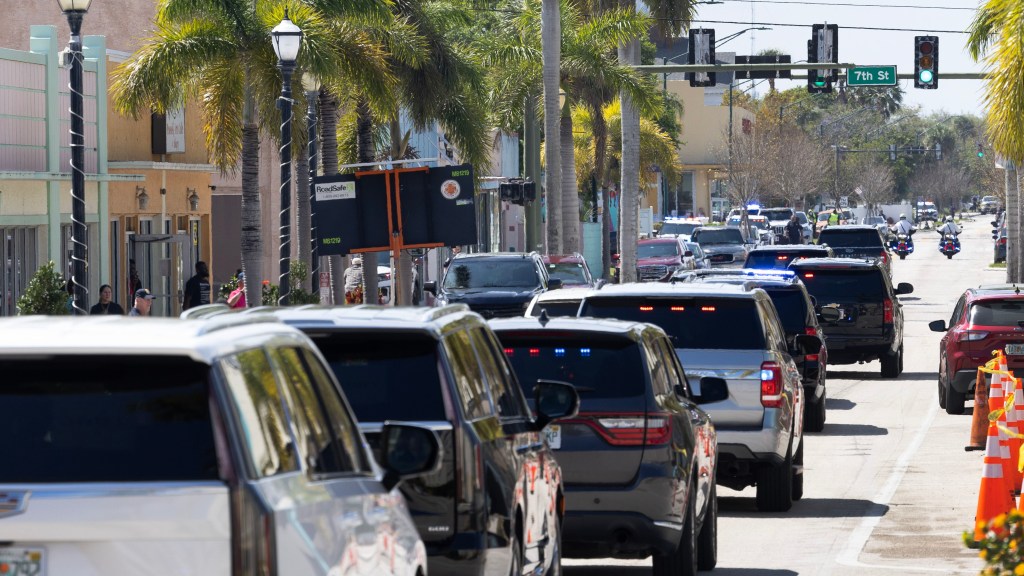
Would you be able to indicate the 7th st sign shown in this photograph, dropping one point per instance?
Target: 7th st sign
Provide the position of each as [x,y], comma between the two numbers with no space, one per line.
[871,76]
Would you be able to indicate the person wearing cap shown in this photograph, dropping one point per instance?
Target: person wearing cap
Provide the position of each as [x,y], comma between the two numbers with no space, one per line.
[143,303]
[354,274]
[237,297]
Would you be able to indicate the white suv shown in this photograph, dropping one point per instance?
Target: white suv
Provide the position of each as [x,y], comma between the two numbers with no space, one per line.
[221,446]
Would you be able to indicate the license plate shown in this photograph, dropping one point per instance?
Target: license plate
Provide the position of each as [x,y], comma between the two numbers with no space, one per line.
[22,561]
[554,434]
[1011,350]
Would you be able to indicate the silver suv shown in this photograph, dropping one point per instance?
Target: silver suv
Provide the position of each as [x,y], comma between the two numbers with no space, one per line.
[220,446]
[734,333]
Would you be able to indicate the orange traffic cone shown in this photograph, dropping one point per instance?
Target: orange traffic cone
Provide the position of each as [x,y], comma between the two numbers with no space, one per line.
[1014,413]
[994,494]
[996,401]
[979,419]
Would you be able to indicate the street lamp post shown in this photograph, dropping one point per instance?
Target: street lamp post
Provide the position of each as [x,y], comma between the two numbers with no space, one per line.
[75,11]
[311,84]
[287,38]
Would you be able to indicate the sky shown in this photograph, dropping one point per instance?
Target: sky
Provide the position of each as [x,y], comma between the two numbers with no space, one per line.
[861,47]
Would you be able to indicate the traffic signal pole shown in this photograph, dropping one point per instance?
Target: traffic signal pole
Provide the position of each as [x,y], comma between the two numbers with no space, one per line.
[679,68]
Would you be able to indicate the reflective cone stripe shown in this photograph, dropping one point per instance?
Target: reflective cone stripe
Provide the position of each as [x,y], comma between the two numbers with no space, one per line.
[996,400]
[1016,426]
[994,493]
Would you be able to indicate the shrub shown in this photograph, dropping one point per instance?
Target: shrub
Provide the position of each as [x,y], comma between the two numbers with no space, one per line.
[45,294]
[1001,547]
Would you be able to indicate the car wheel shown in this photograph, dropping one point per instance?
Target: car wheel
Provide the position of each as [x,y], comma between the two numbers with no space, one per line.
[814,417]
[891,364]
[555,569]
[942,394]
[682,561]
[903,256]
[798,473]
[954,400]
[775,486]
[901,359]
[516,549]
[707,540]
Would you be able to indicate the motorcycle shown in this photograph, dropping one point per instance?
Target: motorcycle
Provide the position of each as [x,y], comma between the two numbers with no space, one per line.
[902,245]
[949,246]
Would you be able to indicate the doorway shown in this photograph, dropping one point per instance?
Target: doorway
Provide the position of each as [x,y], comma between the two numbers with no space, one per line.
[164,263]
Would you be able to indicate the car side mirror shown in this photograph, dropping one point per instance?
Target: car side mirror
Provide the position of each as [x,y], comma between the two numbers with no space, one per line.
[430,286]
[937,326]
[554,283]
[712,389]
[408,451]
[904,288]
[554,400]
[688,253]
[829,314]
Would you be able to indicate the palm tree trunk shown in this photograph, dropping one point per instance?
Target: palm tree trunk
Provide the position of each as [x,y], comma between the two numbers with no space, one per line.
[329,161]
[251,241]
[570,189]
[1012,224]
[629,189]
[365,153]
[304,229]
[551,38]
[600,129]
[401,283]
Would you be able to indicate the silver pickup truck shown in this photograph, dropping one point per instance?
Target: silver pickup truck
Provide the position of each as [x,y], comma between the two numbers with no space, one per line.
[731,332]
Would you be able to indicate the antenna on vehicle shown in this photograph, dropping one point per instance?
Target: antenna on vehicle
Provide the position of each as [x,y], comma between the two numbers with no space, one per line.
[1016,289]
[543,318]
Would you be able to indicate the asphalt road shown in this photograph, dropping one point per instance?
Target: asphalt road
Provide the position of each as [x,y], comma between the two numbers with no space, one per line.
[888,487]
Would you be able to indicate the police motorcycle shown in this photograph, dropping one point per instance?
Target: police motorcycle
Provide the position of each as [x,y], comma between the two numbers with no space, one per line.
[949,245]
[902,244]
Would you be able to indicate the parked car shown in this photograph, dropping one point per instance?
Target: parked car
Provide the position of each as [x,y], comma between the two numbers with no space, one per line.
[724,246]
[731,332]
[681,228]
[700,259]
[219,446]
[990,205]
[779,257]
[571,269]
[870,326]
[999,242]
[926,212]
[797,313]
[639,460]
[495,504]
[984,319]
[757,228]
[495,284]
[857,241]
[657,259]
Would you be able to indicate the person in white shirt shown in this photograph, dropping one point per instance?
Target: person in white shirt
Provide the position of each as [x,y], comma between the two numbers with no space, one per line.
[949,227]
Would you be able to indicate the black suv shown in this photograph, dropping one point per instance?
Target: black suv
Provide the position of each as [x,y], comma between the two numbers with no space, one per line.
[495,505]
[639,461]
[796,311]
[870,324]
[495,284]
[857,241]
[780,256]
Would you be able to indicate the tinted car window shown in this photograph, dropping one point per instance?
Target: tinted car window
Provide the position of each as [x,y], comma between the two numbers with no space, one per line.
[850,238]
[777,214]
[657,250]
[701,322]
[775,260]
[338,414]
[556,308]
[508,401]
[106,419]
[386,378]
[568,272]
[472,391]
[678,228]
[997,313]
[844,285]
[491,273]
[601,368]
[709,237]
[792,308]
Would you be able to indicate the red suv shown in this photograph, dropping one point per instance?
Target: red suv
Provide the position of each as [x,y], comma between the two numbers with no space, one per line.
[657,259]
[985,319]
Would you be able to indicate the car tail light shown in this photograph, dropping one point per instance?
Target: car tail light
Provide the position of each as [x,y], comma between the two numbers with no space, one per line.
[252,534]
[629,429]
[771,385]
[887,311]
[885,257]
[971,336]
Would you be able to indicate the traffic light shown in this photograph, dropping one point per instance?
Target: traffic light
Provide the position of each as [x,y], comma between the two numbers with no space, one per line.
[926,62]
[701,51]
[816,83]
[981,150]
[518,191]
[529,191]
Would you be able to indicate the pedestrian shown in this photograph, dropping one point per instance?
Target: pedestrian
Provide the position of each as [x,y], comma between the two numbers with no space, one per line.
[106,305]
[456,250]
[197,289]
[134,283]
[237,297]
[70,304]
[353,276]
[833,218]
[794,231]
[143,303]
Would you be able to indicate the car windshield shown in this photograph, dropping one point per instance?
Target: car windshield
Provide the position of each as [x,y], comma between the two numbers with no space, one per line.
[657,250]
[844,285]
[569,272]
[768,259]
[715,236]
[822,217]
[691,322]
[777,213]
[695,248]
[77,419]
[998,313]
[678,228]
[598,367]
[557,307]
[792,307]
[837,238]
[491,273]
[874,220]
[389,376]
[801,217]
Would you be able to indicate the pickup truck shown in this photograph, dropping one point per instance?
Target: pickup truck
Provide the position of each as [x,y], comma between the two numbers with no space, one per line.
[857,241]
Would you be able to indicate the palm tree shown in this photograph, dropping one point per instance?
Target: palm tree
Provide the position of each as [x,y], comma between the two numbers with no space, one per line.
[219,52]
[551,40]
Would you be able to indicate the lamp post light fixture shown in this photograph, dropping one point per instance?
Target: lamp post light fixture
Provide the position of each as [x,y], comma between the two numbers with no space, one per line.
[287,38]
[141,197]
[74,11]
[311,85]
[193,199]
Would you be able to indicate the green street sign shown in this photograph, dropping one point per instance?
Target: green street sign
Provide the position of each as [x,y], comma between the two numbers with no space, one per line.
[871,76]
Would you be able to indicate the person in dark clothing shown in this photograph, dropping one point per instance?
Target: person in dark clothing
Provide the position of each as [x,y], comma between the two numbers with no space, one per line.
[106,305]
[794,231]
[197,289]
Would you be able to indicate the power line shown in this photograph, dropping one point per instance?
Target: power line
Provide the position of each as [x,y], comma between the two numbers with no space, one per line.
[842,27]
[808,3]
